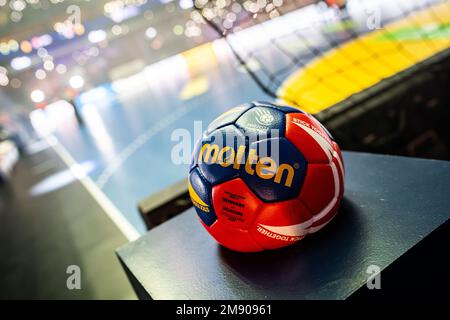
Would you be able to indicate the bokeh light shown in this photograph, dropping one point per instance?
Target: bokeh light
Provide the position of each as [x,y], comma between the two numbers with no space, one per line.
[76,82]
[20,63]
[61,68]
[97,36]
[49,65]
[40,74]
[37,96]
[116,29]
[178,30]
[4,80]
[15,83]
[25,46]
[150,32]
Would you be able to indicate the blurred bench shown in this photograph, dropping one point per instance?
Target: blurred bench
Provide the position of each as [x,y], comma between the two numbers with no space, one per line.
[165,204]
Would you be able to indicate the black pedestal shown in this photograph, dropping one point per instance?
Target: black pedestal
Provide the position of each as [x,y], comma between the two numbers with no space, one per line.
[390,205]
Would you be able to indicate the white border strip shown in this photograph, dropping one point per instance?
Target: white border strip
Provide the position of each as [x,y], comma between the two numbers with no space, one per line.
[108,207]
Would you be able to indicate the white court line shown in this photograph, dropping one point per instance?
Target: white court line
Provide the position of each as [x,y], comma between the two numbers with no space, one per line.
[108,207]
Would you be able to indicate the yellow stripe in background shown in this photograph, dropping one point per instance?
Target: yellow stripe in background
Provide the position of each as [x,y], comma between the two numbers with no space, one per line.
[365,61]
[200,59]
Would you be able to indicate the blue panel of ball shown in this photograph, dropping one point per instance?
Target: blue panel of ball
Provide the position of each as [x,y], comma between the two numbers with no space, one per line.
[278,178]
[204,191]
[263,122]
[198,145]
[228,117]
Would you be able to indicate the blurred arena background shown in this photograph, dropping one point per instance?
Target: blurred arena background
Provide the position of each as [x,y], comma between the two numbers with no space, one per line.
[102,85]
[339,64]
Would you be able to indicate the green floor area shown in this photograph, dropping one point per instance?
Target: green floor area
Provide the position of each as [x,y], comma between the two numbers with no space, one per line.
[41,235]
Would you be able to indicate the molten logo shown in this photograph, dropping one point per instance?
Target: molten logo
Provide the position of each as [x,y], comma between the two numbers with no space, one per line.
[265,167]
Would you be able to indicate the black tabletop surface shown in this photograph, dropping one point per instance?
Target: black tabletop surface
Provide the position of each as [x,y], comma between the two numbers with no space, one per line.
[390,204]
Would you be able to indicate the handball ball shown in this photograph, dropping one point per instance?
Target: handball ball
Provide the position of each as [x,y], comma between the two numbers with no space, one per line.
[265,176]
